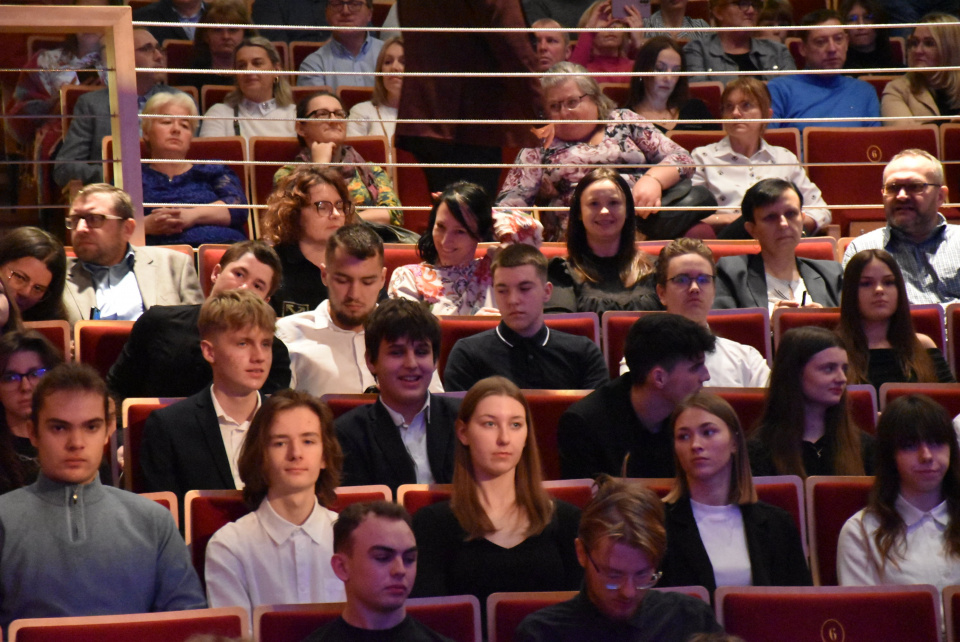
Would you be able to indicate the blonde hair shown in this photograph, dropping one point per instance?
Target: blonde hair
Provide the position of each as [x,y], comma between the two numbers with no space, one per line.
[158,103]
[947,36]
[379,89]
[282,92]
[233,310]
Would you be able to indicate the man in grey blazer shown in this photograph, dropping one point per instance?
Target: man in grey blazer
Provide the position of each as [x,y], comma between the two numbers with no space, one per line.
[112,279]
[776,277]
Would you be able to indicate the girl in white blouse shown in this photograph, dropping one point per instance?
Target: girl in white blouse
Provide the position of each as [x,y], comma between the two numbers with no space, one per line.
[377,116]
[909,533]
[280,553]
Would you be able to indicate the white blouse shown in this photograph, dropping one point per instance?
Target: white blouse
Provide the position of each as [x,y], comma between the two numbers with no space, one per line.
[364,117]
[255,119]
[722,533]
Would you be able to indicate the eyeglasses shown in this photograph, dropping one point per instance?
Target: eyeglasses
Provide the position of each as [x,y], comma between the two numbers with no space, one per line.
[14,378]
[354,5]
[684,280]
[865,19]
[615,581]
[569,104]
[93,221]
[21,280]
[327,114]
[150,48]
[912,189]
[747,4]
[329,209]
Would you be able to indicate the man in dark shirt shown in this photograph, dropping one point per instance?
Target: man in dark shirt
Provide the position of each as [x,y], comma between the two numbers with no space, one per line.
[621,540]
[522,348]
[665,354]
[375,554]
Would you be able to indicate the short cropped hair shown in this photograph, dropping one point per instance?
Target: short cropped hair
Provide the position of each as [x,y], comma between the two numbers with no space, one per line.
[815,18]
[520,254]
[122,205]
[628,513]
[72,377]
[921,153]
[550,23]
[680,247]
[664,339]
[401,318]
[353,515]
[234,310]
[262,252]
[158,104]
[358,241]
[765,193]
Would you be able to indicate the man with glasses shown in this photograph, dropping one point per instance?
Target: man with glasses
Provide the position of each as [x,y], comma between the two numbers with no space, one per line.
[110,278]
[620,543]
[346,51]
[917,235]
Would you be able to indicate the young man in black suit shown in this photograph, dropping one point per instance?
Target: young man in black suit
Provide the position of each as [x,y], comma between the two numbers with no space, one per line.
[406,436]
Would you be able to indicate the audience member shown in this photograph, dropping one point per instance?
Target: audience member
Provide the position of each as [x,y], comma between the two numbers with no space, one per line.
[173,179]
[261,104]
[294,14]
[917,235]
[522,348]
[776,14]
[664,99]
[181,13]
[718,532]
[378,116]
[406,436]
[552,46]
[25,356]
[869,48]
[321,141]
[163,357]
[806,427]
[213,47]
[351,50]
[927,96]
[907,534]
[33,268]
[548,175]
[673,15]
[500,530]
[686,284]
[816,95]
[604,52]
[776,277]
[279,554]
[665,354]
[876,326]
[729,167]
[302,213]
[736,50]
[375,554]
[603,269]
[194,444]
[620,543]
[86,548]
[566,12]
[450,278]
[80,157]
[110,278]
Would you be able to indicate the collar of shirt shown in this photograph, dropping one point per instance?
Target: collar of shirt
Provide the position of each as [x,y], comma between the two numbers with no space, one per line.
[223,417]
[725,151]
[105,274]
[513,339]
[342,52]
[195,17]
[912,515]
[323,320]
[892,235]
[60,494]
[398,419]
[280,530]
[262,109]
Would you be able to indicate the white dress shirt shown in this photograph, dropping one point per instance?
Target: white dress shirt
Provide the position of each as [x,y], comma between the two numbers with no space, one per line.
[731,365]
[255,119]
[414,436]
[233,433]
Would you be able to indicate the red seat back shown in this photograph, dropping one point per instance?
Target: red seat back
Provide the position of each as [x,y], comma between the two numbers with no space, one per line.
[341,403]
[945,394]
[99,343]
[208,257]
[57,332]
[831,501]
[230,622]
[135,413]
[350,96]
[277,151]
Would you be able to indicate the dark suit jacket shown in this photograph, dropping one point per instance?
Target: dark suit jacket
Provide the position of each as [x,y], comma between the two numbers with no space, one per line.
[373,452]
[182,448]
[162,11]
[742,283]
[162,357]
[773,543]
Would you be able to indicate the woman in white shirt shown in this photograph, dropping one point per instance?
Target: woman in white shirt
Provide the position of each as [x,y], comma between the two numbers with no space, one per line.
[377,116]
[909,533]
[262,103]
[280,553]
[718,533]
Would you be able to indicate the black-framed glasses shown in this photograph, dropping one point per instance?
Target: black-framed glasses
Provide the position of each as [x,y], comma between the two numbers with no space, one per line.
[93,221]
[21,280]
[33,376]
[327,114]
[329,208]
[353,5]
[912,189]
[569,104]
[684,280]
[614,581]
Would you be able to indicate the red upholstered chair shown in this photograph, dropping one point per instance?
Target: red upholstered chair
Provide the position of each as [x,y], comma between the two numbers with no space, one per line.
[302,91]
[552,249]
[135,412]
[831,501]
[951,611]
[350,96]
[275,150]
[372,149]
[784,319]
[341,403]
[800,614]
[505,611]
[58,332]
[210,95]
[179,53]
[99,343]
[397,254]
[175,626]
[618,92]
[709,92]
[413,497]
[950,154]
[748,403]
[945,394]
[862,399]
[169,501]
[732,247]
[208,256]
[300,49]
[818,247]
[546,406]
[578,492]
[928,319]
[878,81]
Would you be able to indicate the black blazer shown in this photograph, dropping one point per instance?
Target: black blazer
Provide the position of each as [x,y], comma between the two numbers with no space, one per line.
[182,448]
[373,452]
[773,543]
[742,283]
[162,11]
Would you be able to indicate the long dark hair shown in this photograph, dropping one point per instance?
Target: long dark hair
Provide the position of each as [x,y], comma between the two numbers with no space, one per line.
[32,242]
[647,61]
[464,200]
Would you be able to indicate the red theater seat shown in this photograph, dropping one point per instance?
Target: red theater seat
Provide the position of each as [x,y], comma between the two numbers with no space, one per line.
[57,332]
[99,343]
[413,497]
[945,394]
[230,622]
[831,501]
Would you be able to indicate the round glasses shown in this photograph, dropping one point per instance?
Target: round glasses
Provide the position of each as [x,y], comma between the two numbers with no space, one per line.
[615,580]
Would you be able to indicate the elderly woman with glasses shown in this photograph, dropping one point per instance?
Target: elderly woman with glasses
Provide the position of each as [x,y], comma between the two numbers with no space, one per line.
[736,50]
[321,131]
[33,268]
[656,169]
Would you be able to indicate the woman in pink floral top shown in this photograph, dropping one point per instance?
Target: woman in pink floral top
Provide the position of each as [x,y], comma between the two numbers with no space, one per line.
[451,280]
[657,169]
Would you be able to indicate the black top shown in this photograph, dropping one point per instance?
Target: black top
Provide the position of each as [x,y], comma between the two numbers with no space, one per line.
[301,289]
[550,359]
[597,432]
[163,11]
[743,61]
[662,617]
[944,103]
[572,294]
[407,631]
[691,113]
[883,368]
[880,57]
[817,457]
